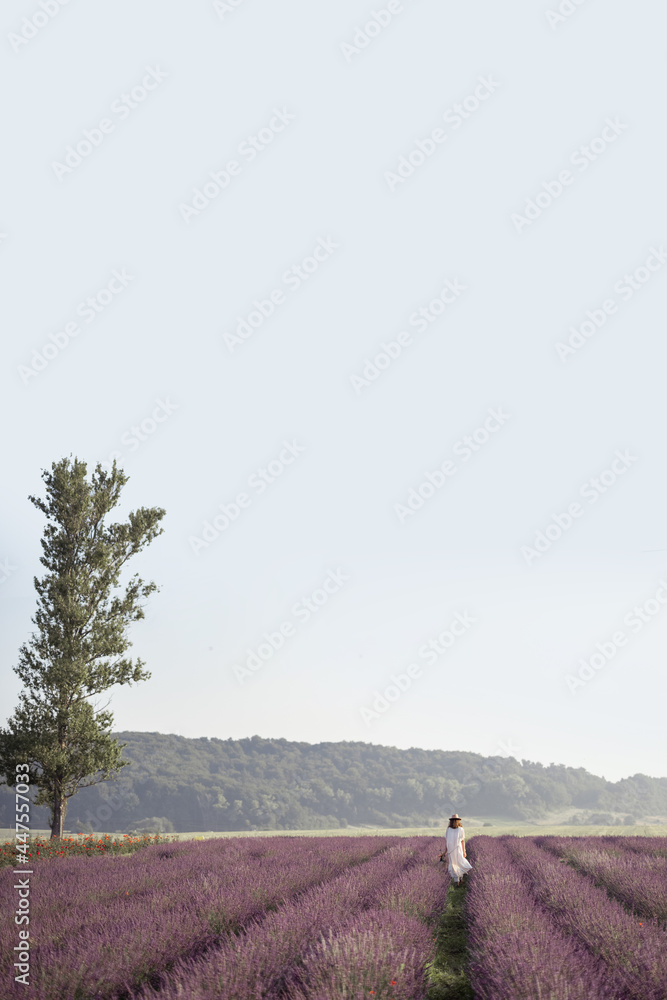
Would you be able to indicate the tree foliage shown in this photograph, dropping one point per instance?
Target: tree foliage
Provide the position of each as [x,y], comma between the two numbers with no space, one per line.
[79,649]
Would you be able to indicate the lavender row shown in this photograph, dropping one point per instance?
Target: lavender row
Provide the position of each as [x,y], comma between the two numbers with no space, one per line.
[637,880]
[101,925]
[383,951]
[516,951]
[655,846]
[613,844]
[635,952]
[421,892]
[262,961]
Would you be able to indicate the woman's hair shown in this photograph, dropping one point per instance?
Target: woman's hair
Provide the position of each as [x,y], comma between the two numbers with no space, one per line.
[455,823]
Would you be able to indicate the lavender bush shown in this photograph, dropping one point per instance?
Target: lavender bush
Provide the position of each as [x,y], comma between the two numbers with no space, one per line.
[381,952]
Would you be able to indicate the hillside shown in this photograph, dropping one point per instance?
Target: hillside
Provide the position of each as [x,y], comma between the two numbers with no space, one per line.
[255,783]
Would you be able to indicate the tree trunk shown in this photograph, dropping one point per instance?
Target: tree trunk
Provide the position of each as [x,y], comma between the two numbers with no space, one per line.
[58,812]
[59,801]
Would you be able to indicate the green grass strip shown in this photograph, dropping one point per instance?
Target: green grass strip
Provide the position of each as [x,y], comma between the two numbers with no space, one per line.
[447,973]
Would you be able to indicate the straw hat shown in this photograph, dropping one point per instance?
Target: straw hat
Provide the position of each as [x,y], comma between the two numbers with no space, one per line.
[455,816]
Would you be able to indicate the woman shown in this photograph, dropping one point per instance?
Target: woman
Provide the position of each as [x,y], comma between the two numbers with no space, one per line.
[455,851]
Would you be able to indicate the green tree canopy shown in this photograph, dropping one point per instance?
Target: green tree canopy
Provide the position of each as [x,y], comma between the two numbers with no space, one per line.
[79,649]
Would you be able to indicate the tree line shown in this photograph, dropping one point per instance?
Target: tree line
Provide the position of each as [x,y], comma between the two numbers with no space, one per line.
[276,784]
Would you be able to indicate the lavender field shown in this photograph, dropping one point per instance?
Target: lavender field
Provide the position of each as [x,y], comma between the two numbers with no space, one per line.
[282,918]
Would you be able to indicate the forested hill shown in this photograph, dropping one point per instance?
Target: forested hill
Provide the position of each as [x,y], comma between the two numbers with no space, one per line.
[250,784]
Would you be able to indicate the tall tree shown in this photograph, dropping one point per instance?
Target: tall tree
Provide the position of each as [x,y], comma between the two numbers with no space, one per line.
[78,651]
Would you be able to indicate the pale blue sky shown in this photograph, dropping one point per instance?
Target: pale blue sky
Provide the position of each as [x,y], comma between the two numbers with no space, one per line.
[332,126]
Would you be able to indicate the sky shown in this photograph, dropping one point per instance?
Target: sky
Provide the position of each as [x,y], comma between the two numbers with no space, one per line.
[371,300]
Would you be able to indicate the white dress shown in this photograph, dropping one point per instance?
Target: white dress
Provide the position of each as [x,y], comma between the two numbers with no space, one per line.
[457,864]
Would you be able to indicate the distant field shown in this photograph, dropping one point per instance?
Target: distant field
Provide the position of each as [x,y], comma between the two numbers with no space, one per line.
[430,831]
[497,830]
